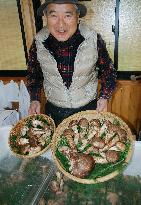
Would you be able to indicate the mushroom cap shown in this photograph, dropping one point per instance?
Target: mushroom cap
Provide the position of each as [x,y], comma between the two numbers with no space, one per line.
[112,156]
[83,122]
[122,135]
[121,146]
[68,132]
[73,123]
[98,143]
[94,122]
[83,165]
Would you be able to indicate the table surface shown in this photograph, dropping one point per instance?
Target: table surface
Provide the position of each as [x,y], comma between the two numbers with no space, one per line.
[37,181]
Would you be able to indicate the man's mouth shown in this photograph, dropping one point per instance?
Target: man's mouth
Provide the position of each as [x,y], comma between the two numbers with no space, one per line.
[61,31]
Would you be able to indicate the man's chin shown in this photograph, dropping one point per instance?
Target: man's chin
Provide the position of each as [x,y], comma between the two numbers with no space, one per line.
[62,38]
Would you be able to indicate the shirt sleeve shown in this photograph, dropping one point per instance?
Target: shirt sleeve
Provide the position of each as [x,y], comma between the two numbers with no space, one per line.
[34,74]
[106,72]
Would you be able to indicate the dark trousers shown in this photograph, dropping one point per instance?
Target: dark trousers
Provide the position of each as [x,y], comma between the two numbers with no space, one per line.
[58,114]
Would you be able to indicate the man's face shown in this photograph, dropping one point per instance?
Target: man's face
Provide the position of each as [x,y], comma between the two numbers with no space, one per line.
[62,20]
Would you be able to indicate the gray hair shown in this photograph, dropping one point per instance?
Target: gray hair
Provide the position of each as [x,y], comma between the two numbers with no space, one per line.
[77,9]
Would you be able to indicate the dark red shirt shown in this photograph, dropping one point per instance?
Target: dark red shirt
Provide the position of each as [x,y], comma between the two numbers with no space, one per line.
[64,53]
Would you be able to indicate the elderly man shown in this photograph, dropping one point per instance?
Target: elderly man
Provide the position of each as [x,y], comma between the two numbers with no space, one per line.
[66,58]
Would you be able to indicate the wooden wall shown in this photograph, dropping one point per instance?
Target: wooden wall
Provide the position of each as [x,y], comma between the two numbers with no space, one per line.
[126,103]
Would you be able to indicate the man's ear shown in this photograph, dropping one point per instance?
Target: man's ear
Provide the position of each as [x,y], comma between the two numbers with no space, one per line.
[79,19]
[45,13]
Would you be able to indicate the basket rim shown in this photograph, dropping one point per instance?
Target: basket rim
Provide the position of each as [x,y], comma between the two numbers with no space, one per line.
[21,121]
[64,123]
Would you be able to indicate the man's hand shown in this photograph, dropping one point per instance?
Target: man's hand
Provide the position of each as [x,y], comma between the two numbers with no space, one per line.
[34,108]
[102,105]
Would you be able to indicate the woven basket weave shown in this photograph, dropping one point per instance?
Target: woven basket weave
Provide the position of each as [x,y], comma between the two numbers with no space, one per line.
[17,128]
[89,115]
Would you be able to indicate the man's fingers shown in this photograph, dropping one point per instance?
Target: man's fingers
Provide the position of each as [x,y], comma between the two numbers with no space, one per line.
[34,108]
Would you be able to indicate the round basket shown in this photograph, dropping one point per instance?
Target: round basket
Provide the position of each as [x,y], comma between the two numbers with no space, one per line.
[15,135]
[90,115]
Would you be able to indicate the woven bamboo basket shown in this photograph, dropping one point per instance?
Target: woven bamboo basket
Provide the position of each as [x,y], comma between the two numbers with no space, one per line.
[89,115]
[20,124]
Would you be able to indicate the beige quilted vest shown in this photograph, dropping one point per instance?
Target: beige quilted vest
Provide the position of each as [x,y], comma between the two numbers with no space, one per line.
[83,88]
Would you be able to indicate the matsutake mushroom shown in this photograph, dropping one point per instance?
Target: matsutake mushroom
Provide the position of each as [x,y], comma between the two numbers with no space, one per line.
[80,164]
[94,127]
[83,123]
[112,156]
[68,132]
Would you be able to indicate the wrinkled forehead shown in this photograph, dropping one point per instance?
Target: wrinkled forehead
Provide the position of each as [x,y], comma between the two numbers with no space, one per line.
[61,8]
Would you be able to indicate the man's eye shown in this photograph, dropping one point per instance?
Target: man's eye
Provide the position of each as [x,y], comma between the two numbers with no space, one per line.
[53,15]
[68,15]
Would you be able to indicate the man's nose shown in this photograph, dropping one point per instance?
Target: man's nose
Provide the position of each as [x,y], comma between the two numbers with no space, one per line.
[61,22]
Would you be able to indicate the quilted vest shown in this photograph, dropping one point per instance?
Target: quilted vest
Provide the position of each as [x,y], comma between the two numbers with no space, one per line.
[83,88]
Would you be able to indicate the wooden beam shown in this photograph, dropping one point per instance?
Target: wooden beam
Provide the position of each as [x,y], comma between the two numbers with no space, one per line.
[28,21]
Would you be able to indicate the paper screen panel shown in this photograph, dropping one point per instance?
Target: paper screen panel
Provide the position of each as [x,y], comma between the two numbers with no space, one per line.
[101,17]
[12,56]
[130,35]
